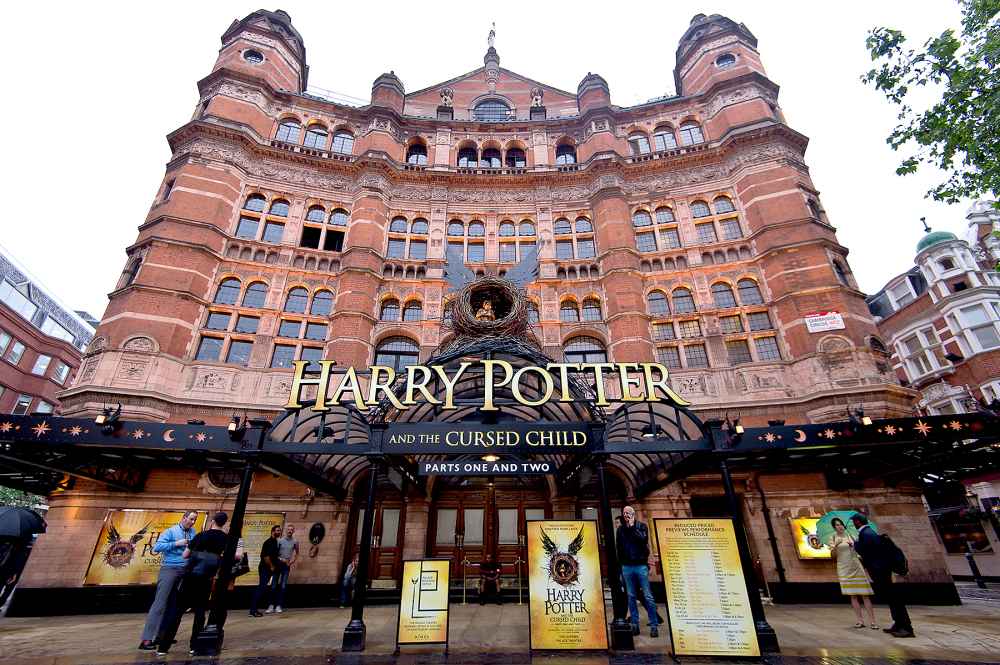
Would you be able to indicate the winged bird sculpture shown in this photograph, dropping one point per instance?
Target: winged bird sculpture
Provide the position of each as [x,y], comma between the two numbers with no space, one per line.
[526,271]
[563,567]
[120,552]
[458,275]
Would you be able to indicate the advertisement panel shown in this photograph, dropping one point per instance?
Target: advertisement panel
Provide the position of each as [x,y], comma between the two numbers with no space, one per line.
[257,529]
[707,599]
[124,550]
[807,544]
[423,603]
[565,595]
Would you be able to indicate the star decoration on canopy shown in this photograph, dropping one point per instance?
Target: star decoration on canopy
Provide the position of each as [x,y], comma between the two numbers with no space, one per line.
[955,425]
[828,433]
[6,427]
[888,429]
[74,430]
[200,437]
[138,434]
[40,429]
[922,427]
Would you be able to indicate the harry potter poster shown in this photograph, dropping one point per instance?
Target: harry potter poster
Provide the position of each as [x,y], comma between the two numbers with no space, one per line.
[257,529]
[565,595]
[423,604]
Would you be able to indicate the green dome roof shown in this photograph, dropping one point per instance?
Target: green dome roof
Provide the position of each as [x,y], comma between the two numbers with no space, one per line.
[934,238]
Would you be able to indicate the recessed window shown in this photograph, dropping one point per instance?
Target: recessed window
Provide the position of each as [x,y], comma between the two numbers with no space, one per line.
[592,310]
[506,229]
[416,154]
[663,139]
[477,230]
[239,352]
[585,350]
[663,332]
[316,331]
[288,131]
[526,229]
[322,303]
[209,349]
[247,324]
[641,218]
[414,311]
[419,226]
[273,232]
[310,237]
[397,353]
[60,373]
[516,158]
[418,249]
[43,407]
[390,310]
[723,295]
[725,61]
[706,233]
[316,137]
[256,295]
[730,324]
[396,248]
[749,292]
[568,312]
[700,209]
[289,328]
[723,204]
[255,203]
[247,228]
[253,57]
[689,329]
[669,356]
[313,355]
[22,405]
[645,242]
[41,364]
[14,353]
[339,217]
[562,227]
[229,291]
[508,252]
[218,320]
[759,321]
[468,158]
[490,159]
[670,238]
[738,351]
[564,249]
[565,154]
[585,249]
[683,300]
[767,348]
[492,110]
[283,355]
[296,300]
[695,355]
[343,142]
[456,229]
[731,229]
[947,263]
[639,143]
[656,303]
[477,253]
[691,134]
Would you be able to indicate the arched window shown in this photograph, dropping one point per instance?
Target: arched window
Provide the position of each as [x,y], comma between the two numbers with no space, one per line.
[339,217]
[316,214]
[656,303]
[279,208]
[322,303]
[288,131]
[526,228]
[468,157]
[723,204]
[506,229]
[877,346]
[641,218]
[490,159]
[516,158]
[132,270]
[562,226]
[565,154]
[691,134]
[664,216]
[416,154]
[683,301]
[592,309]
[585,350]
[476,229]
[723,296]
[419,226]
[492,110]
[639,143]
[316,137]
[228,292]
[397,353]
[749,292]
[813,209]
[390,310]
[256,295]
[414,311]
[583,225]
[397,225]
[254,203]
[456,228]
[725,61]
[343,142]
[296,300]
[700,209]
[568,312]
[663,139]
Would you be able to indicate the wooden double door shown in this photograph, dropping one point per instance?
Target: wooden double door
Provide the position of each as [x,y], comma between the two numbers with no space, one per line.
[385,551]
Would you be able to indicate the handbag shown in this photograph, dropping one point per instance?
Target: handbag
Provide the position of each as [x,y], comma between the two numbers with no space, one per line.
[241,567]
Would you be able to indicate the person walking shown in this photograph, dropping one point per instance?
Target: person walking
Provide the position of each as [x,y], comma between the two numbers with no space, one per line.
[853,580]
[288,554]
[266,569]
[171,545]
[878,555]
[203,555]
[347,583]
[632,542]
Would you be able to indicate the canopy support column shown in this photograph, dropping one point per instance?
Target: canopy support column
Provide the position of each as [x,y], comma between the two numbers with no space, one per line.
[354,633]
[621,630]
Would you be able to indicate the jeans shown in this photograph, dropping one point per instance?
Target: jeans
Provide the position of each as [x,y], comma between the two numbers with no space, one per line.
[166,585]
[280,584]
[193,593]
[346,590]
[262,587]
[637,580]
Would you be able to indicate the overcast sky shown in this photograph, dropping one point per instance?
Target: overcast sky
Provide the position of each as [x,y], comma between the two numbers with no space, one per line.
[92,90]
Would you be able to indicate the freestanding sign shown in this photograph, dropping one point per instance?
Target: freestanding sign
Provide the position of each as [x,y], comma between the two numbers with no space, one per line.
[565,594]
[707,599]
[423,604]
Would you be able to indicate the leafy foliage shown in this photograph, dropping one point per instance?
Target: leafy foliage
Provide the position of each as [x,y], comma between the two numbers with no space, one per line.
[959,133]
[13,497]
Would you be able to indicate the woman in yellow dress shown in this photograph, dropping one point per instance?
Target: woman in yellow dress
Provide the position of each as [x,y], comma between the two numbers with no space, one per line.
[854,581]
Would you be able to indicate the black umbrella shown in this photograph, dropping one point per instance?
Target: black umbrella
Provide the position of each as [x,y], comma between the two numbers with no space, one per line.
[20,522]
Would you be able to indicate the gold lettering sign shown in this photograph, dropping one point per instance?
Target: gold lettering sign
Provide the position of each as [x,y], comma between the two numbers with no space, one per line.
[637,382]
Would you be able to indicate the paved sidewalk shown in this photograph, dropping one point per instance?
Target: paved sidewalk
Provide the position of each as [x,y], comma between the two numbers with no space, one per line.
[496,636]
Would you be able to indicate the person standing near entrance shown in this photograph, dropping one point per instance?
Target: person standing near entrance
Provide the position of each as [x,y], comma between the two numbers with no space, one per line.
[266,569]
[851,574]
[288,554]
[632,541]
[171,545]
[347,583]
[489,580]
[879,556]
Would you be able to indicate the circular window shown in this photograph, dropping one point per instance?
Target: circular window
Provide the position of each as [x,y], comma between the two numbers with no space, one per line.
[253,57]
[224,479]
[725,60]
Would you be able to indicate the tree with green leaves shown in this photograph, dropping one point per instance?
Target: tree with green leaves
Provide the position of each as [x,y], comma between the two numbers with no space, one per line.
[960,132]
[13,497]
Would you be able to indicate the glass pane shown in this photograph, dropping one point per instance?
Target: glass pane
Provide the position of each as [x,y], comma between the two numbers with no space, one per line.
[390,526]
[507,526]
[446,520]
[534,514]
[361,524]
[473,526]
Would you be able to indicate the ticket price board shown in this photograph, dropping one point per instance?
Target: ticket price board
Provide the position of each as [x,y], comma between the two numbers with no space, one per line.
[423,604]
[565,595]
[707,599]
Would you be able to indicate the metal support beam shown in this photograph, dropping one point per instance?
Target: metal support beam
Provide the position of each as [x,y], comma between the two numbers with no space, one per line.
[621,630]
[354,633]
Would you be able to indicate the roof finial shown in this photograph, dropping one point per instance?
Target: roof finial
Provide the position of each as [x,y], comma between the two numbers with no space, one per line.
[493,35]
[927,229]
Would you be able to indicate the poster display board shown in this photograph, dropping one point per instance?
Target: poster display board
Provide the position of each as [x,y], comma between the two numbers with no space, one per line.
[565,595]
[707,599]
[257,529]
[807,544]
[423,603]
[124,550]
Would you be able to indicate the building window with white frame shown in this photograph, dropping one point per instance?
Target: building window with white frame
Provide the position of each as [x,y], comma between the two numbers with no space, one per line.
[981,327]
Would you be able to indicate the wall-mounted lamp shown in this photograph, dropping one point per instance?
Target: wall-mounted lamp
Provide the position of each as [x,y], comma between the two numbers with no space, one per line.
[109,420]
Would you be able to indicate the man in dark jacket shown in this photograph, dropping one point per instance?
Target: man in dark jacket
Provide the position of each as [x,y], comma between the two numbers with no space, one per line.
[266,569]
[632,540]
[877,557]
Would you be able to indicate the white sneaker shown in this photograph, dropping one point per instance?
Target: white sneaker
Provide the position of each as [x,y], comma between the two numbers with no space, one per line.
[278,609]
[269,610]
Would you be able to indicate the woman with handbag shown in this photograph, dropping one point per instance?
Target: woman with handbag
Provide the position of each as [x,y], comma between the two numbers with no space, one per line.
[203,554]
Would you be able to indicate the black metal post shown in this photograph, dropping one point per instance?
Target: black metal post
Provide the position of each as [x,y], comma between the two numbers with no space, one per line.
[778,565]
[766,637]
[354,633]
[974,567]
[210,639]
[621,630]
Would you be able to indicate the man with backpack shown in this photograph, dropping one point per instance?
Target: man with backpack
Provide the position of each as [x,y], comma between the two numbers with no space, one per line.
[881,558]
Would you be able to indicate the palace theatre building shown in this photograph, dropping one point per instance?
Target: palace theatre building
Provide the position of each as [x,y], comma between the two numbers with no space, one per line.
[685,230]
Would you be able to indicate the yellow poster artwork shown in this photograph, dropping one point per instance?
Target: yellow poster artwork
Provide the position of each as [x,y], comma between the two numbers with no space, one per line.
[807,543]
[423,603]
[257,529]
[707,600]
[124,550]
[565,595]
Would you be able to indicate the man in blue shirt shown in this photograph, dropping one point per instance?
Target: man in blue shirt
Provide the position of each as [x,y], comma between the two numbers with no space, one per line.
[171,545]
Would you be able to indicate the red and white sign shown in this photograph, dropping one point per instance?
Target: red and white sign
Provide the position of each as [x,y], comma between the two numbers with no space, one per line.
[823,321]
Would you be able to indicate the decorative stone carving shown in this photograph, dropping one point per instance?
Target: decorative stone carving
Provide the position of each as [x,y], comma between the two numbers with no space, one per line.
[211,381]
[97,345]
[88,371]
[246,94]
[536,96]
[141,344]
[689,385]
[132,369]
[447,96]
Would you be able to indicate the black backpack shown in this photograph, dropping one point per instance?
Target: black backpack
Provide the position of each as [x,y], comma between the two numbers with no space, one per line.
[897,560]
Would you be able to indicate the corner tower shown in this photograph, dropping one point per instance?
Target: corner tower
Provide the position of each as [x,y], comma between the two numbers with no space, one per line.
[713,49]
[266,45]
